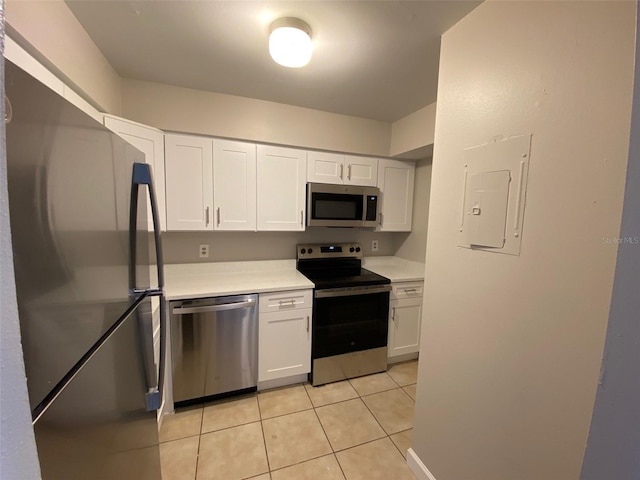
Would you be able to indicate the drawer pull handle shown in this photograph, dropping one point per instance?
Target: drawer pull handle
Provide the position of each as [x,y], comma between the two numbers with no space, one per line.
[291,301]
[410,290]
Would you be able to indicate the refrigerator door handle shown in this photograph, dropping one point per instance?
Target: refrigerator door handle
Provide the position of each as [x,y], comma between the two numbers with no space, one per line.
[142,176]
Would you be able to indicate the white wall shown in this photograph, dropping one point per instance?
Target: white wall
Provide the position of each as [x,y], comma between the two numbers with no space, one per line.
[613,449]
[18,457]
[51,33]
[511,346]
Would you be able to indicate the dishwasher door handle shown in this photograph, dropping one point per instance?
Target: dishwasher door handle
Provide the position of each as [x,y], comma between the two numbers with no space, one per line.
[213,308]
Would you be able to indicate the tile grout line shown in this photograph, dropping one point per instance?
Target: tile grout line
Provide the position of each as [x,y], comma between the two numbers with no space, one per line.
[321,426]
[199,443]
[264,438]
[333,451]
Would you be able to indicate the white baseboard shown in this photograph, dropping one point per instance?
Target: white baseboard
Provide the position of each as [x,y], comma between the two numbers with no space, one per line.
[417,467]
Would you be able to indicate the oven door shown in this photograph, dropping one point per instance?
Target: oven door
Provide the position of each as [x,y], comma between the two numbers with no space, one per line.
[349,320]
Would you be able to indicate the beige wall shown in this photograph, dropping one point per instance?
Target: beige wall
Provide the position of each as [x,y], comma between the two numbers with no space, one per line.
[182,247]
[411,246]
[195,111]
[52,34]
[511,346]
[413,132]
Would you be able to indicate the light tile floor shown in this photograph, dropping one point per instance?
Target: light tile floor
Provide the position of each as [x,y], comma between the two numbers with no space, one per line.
[356,429]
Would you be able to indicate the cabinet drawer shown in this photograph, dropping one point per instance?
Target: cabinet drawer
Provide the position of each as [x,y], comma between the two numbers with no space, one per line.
[283,301]
[406,290]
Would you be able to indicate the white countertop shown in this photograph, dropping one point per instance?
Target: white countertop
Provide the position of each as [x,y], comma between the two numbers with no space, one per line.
[196,280]
[395,269]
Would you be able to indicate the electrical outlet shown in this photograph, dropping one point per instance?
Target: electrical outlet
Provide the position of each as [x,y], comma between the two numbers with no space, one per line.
[374,245]
[203,251]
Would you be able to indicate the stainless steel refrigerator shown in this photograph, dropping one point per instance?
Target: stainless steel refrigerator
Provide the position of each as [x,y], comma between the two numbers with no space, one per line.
[88,274]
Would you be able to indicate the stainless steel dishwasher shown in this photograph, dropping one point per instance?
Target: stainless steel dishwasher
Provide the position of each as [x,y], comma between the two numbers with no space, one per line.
[214,346]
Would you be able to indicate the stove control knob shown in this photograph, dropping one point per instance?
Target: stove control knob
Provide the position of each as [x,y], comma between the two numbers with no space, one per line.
[357,249]
[303,251]
[351,249]
[310,251]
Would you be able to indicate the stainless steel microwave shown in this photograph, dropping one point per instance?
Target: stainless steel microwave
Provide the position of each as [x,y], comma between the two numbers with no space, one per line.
[341,205]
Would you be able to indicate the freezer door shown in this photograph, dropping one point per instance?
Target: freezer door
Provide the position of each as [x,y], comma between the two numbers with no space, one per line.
[99,427]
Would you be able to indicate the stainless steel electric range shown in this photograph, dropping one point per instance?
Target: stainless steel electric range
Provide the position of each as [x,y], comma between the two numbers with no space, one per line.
[350,312]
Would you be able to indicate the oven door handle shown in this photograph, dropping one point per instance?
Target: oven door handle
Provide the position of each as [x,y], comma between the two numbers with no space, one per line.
[350,291]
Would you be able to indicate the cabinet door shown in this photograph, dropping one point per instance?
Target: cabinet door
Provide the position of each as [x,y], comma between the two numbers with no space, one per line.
[404,326]
[281,181]
[360,171]
[234,185]
[284,344]
[395,180]
[325,167]
[149,141]
[189,182]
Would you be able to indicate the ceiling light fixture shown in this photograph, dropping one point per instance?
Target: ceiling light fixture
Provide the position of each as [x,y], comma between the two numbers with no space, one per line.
[290,42]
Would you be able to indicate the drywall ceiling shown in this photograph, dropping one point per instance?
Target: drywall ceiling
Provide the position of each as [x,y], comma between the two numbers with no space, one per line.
[371,59]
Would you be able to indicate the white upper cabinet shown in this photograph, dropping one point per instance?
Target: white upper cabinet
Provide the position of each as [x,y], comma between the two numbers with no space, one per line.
[281,182]
[189,182]
[325,167]
[395,180]
[335,168]
[149,141]
[234,185]
[361,171]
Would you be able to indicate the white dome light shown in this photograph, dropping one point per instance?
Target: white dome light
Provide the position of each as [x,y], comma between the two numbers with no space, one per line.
[290,42]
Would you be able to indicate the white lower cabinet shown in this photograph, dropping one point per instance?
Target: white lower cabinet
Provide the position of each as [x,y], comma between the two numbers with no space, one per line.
[284,334]
[405,316]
